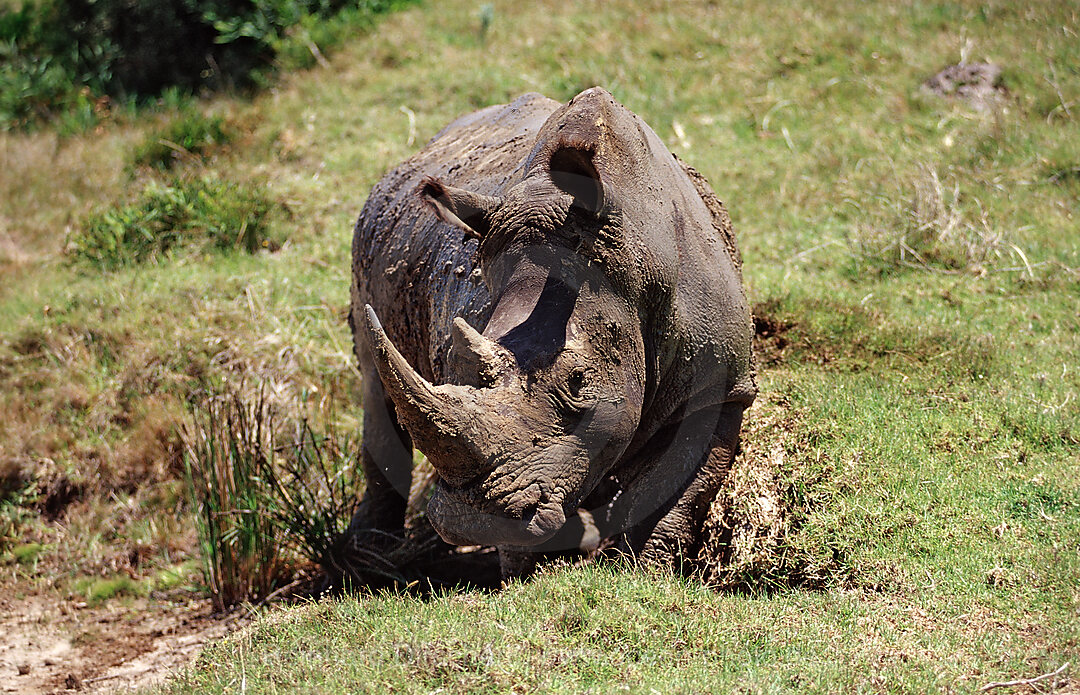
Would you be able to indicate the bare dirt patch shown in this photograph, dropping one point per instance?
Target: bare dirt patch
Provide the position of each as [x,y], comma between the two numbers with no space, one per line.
[770,339]
[51,644]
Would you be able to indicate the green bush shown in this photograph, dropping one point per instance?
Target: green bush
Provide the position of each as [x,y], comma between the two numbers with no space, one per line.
[51,49]
[189,136]
[32,81]
[205,211]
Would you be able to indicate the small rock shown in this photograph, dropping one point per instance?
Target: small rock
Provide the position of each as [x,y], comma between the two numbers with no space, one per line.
[23,669]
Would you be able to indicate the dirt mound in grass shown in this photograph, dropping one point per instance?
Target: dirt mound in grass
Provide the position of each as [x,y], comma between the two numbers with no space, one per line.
[979,84]
[742,538]
[747,522]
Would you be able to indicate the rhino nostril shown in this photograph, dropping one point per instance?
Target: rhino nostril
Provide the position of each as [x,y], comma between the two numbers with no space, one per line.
[544,519]
[524,502]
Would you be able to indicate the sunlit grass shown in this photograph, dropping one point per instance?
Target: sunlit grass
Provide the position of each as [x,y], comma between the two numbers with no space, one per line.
[922,253]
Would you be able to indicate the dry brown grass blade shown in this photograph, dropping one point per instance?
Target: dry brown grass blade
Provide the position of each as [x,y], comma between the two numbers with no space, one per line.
[1025,681]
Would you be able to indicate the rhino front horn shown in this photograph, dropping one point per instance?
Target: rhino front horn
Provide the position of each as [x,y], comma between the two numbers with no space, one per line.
[438,418]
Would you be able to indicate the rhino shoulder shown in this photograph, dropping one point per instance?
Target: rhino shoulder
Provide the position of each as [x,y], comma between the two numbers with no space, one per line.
[518,115]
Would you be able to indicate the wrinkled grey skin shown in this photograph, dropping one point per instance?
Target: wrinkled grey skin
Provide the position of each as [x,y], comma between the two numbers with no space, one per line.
[563,334]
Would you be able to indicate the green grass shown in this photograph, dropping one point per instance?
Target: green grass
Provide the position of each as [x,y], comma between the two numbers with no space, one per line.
[97,590]
[223,468]
[924,254]
[27,553]
[188,137]
[608,629]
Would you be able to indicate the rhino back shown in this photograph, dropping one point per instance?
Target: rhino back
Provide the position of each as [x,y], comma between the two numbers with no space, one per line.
[416,271]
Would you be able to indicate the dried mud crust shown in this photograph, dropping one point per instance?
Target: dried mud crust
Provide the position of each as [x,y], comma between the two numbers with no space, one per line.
[50,644]
[747,521]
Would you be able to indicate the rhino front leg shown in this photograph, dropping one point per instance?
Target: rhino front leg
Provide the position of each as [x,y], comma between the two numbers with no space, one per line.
[385,458]
[516,563]
[672,536]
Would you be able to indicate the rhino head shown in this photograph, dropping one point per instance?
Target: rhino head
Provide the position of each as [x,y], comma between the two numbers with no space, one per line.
[543,402]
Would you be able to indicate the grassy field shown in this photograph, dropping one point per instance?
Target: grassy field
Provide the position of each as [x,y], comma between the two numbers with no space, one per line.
[915,260]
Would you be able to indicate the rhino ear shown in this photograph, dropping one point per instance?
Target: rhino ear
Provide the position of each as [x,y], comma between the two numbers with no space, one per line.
[573,171]
[470,212]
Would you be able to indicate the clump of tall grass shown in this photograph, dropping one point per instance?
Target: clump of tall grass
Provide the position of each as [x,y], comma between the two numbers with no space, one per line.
[313,483]
[275,495]
[924,224]
[204,211]
[242,546]
[189,137]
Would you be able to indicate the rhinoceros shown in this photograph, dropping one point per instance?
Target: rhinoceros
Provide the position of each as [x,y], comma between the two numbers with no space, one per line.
[548,304]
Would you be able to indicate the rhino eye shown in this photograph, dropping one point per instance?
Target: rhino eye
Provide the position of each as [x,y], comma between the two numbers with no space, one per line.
[576,381]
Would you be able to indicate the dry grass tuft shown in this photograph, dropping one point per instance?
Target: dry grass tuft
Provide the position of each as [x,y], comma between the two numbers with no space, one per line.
[926,222]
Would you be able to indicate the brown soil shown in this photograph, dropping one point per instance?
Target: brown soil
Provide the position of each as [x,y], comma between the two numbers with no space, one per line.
[770,339]
[52,644]
[747,521]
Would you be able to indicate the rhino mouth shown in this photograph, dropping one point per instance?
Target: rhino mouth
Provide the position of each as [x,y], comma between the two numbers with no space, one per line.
[461,523]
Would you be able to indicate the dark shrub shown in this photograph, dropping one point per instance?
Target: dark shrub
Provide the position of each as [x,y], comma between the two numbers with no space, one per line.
[50,49]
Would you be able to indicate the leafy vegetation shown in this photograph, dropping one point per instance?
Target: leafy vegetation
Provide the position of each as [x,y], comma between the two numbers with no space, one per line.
[187,137]
[913,260]
[220,215]
[58,52]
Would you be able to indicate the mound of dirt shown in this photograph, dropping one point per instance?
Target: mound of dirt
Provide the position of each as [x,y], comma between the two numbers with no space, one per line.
[979,84]
[747,522]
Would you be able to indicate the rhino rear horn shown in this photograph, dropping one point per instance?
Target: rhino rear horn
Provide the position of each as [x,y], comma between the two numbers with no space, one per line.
[440,419]
[468,211]
[479,360]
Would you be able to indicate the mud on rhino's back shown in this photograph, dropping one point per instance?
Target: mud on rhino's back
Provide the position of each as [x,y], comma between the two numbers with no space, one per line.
[416,271]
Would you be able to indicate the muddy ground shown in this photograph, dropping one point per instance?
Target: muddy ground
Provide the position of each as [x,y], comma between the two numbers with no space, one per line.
[53,644]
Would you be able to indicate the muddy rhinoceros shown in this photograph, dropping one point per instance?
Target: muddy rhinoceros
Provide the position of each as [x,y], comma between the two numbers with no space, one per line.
[548,304]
